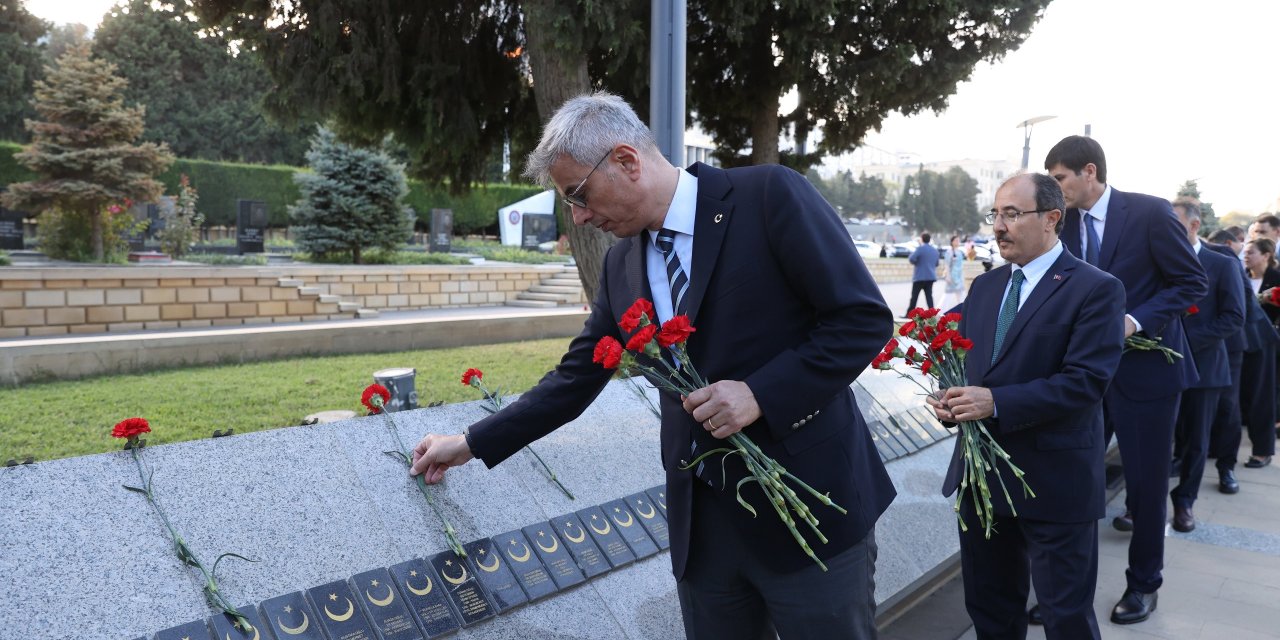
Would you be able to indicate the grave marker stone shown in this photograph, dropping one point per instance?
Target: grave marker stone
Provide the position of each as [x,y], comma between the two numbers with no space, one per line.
[11,229]
[441,240]
[251,226]
[426,597]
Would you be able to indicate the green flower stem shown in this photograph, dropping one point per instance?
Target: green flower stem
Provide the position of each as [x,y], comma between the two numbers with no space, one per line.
[639,391]
[495,405]
[550,473]
[184,552]
[450,533]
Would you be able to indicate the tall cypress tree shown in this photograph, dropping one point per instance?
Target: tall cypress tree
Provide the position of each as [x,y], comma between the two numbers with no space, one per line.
[84,148]
[19,34]
[352,200]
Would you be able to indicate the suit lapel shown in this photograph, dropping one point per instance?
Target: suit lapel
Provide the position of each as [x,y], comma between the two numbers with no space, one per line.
[637,276]
[1117,220]
[982,322]
[711,222]
[1048,285]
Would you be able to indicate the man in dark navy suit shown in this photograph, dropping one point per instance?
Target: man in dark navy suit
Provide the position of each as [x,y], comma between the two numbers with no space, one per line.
[1048,332]
[1137,239]
[787,316]
[1215,318]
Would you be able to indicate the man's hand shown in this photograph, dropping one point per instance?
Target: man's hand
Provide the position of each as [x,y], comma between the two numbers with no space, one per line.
[436,453]
[940,410]
[959,404]
[724,408]
[1129,327]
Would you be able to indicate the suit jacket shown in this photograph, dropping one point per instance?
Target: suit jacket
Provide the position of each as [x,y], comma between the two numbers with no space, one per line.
[1048,382]
[1270,278]
[1239,341]
[1145,247]
[781,301]
[925,258]
[1220,316]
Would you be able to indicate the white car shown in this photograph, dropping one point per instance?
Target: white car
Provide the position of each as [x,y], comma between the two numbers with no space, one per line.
[867,249]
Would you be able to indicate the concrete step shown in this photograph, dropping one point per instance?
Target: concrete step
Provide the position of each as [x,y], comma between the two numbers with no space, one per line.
[310,291]
[366,313]
[544,304]
[556,289]
[329,298]
[563,281]
[549,297]
[346,307]
[288,282]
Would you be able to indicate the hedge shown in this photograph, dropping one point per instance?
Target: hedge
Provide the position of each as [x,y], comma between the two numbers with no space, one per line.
[220,184]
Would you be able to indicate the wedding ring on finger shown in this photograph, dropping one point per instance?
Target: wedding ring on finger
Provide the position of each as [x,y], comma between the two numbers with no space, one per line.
[713,427]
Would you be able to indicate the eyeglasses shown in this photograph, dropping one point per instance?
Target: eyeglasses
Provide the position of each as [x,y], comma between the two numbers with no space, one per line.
[1010,216]
[572,198]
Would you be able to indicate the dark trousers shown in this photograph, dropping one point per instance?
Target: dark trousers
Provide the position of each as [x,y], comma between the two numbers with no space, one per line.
[1144,433]
[1195,417]
[916,287]
[1224,434]
[1257,399]
[726,594]
[1061,559]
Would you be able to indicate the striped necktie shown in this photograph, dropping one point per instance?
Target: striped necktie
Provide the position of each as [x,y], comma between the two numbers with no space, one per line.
[676,278]
[1008,311]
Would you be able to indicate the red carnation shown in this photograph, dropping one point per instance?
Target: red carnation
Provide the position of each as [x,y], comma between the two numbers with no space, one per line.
[375,391]
[131,428]
[472,374]
[924,366]
[632,317]
[929,313]
[675,331]
[608,352]
[911,353]
[948,318]
[911,315]
[1192,310]
[1275,296]
[641,338]
[963,344]
[907,328]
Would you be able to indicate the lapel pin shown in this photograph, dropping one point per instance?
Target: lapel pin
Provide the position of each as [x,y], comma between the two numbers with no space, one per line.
[1057,276]
[719,217]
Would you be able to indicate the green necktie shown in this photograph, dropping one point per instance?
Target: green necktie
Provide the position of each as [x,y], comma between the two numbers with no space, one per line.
[1007,312]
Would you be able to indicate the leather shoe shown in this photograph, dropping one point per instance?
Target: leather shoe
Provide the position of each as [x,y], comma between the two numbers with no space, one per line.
[1258,463]
[1183,520]
[1033,616]
[1123,522]
[1134,607]
[1227,482]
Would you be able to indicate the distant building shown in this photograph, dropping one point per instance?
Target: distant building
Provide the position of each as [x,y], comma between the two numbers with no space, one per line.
[894,167]
[698,147]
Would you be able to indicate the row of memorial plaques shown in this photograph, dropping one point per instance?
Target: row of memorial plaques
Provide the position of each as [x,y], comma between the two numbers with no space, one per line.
[894,409]
[433,597]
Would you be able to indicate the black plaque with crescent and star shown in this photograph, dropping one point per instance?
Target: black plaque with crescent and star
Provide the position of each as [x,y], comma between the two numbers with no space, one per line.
[606,536]
[384,605]
[197,630]
[580,545]
[651,518]
[493,572]
[525,564]
[468,596]
[227,628]
[338,613]
[554,555]
[290,617]
[628,525]
[424,592]
[658,495]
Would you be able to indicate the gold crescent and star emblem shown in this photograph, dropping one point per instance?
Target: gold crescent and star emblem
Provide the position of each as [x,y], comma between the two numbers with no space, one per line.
[662,500]
[719,217]
[582,535]
[343,617]
[293,631]
[256,636]
[445,574]
[391,595]
[487,568]
[629,520]
[521,557]
[592,524]
[555,543]
[414,590]
[646,516]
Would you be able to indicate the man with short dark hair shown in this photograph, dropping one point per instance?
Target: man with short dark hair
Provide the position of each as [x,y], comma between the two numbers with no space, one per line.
[1266,225]
[1137,239]
[925,258]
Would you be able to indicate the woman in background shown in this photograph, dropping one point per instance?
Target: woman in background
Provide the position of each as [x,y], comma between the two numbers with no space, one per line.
[953,266]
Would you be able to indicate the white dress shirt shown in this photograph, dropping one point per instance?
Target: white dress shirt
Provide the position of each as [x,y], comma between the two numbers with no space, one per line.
[680,218]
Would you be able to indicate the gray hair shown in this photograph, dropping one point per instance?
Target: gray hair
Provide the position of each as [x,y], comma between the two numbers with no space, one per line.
[585,128]
[1190,207]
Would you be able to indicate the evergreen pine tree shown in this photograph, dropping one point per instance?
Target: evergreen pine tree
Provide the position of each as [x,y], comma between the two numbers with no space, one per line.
[84,153]
[1208,219]
[351,201]
[20,33]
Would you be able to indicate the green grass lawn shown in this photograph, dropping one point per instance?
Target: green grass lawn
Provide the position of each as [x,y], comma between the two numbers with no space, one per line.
[72,418]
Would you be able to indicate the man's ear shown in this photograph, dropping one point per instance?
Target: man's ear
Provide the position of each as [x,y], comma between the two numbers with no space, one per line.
[628,159]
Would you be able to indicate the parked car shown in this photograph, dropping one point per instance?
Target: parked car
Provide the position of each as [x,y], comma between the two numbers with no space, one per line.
[867,249]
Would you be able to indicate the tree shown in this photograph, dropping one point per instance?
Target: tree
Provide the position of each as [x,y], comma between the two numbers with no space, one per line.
[850,61]
[1208,220]
[83,148]
[63,38]
[181,221]
[352,200]
[201,99]
[941,202]
[20,50]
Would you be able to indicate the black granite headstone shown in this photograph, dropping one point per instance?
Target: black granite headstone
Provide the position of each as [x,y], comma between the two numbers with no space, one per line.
[251,226]
[464,590]
[11,229]
[338,612]
[525,564]
[659,496]
[226,628]
[554,555]
[607,537]
[628,525]
[580,545]
[504,590]
[197,630]
[384,606]
[537,228]
[651,518]
[291,616]
[426,596]
[441,231]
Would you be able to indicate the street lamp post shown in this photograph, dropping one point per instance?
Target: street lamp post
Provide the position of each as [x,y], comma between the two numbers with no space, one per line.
[1026,137]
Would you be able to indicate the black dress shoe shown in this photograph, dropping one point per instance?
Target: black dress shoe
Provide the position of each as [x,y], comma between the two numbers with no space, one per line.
[1033,616]
[1258,463]
[1123,522]
[1183,520]
[1133,607]
[1227,481]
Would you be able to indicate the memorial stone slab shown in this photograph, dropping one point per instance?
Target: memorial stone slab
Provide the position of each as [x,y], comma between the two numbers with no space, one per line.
[441,231]
[628,525]
[227,628]
[251,226]
[607,538]
[468,597]
[427,601]
[580,545]
[196,630]
[495,575]
[11,230]
[651,518]
[384,606]
[525,564]
[291,616]
[338,613]
[659,496]
[554,555]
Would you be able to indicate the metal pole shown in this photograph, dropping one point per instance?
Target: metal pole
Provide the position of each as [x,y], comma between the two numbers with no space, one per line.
[667,78]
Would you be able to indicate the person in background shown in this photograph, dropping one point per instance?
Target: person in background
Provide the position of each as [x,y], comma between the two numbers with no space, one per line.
[1266,226]
[1258,393]
[953,265]
[925,259]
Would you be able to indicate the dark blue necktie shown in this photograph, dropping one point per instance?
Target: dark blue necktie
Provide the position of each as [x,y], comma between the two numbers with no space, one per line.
[1008,311]
[1091,251]
[676,279]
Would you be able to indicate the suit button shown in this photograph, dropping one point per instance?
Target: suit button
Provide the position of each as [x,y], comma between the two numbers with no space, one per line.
[810,417]
[795,425]
[817,412]
[801,423]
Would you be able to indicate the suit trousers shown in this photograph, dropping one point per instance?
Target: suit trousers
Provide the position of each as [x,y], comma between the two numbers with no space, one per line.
[1195,417]
[1144,432]
[1224,435]
[1061,559]
[1257,399]
[725,594]
[918,286]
